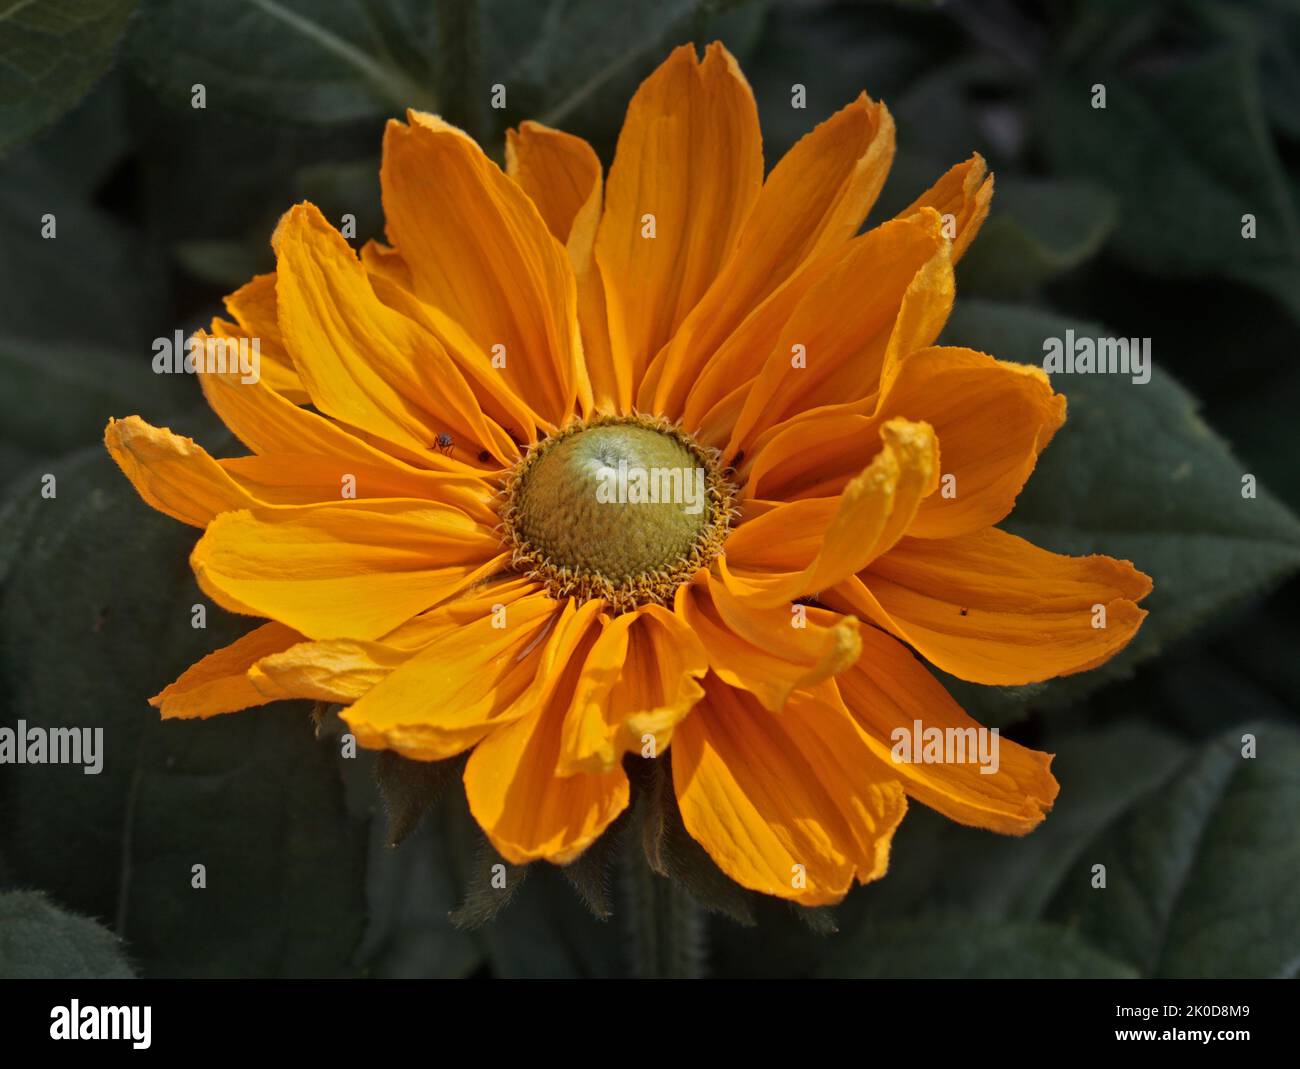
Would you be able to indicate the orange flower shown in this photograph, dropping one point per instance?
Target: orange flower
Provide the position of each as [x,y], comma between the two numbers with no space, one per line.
[438,522]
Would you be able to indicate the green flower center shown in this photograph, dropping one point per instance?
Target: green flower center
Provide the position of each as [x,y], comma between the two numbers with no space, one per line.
[626,509]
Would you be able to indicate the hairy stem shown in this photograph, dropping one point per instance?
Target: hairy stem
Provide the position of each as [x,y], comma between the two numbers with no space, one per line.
[665,927]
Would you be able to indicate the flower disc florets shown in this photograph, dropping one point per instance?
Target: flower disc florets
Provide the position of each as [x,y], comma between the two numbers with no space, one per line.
[624,508]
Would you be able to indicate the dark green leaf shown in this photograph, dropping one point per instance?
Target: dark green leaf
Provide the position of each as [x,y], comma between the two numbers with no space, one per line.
[581,61]
[1185,147]
[313,61]
[50,54]
[39,941]
[959,948]
[1036,230]
[102,583]
[60,396]
[410,894]
[1199,849]
[1201,875]
[94,279]
[937,865]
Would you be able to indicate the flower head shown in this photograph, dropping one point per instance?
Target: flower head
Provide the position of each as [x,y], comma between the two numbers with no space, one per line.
[665,466]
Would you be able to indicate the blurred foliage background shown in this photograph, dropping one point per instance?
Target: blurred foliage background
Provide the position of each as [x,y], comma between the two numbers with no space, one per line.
[1125,221]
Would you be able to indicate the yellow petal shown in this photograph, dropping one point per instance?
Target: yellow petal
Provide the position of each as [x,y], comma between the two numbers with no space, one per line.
[832,348]
[257,314]
[790,804]
[922,313]
[961,195]
[810,458]
[462,686]
[385,262]
[889,693]
[807,546]
[269,424]
[527,810]
[350,570]
[813,202]
[690,155]
[344,670]
[494,391]
[219,683]
[638,680]
[992,608]
[361,361]
[479,251]
[173,474]
[992,417]
[337,670]
[770,652]
[559,172]
[177,476]
[280,479]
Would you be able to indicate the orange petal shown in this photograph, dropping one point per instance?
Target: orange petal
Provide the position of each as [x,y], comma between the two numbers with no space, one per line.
[344,670]
[479,251]
[790,804]
[922,313]
[639,680]
[560,172]
[354,569]
[257,313]
[280,479]
[361,361]
[480,673]
[527,810]
[962,197]
[495,394]
[219,683]
[807,546]
[268,423]
[770,652]
[832,348]
[813,202]
[812,457]
[889,693]
[690,155]
[336,670]
[173,474]
[178,477]
[992,608]
[992,417]
[384,261]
